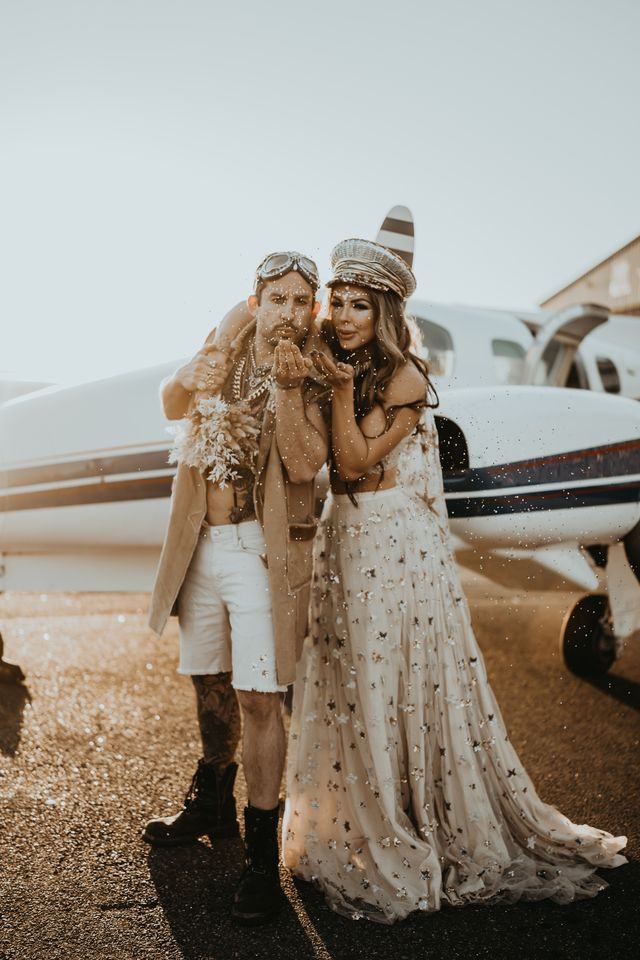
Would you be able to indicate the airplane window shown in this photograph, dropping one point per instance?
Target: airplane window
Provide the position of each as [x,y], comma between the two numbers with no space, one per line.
[508,360]
[608,374]
[437,347]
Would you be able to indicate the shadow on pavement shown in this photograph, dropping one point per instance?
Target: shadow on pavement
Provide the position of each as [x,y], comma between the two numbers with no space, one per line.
[195,887]
[626,691]
[598,927]
[13,699]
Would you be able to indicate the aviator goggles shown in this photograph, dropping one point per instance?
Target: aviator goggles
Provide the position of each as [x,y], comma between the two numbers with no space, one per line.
[277,264]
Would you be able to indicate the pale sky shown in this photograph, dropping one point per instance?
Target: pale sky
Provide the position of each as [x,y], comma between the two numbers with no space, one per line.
[154,150]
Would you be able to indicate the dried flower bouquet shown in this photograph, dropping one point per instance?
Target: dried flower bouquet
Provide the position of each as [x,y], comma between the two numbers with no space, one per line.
[217,437]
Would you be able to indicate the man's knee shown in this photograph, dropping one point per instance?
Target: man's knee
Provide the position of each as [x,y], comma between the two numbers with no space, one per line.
[260,707]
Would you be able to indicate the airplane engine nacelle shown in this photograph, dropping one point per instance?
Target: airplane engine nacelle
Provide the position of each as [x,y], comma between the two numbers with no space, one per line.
[526,467]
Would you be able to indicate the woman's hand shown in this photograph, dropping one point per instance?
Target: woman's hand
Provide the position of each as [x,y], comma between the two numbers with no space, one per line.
[340,376]
[208,370]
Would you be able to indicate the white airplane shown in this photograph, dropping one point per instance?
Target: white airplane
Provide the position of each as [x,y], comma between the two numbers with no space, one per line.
[542,480]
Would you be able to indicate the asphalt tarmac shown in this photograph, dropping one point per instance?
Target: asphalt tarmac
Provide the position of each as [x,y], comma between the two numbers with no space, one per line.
[103,736]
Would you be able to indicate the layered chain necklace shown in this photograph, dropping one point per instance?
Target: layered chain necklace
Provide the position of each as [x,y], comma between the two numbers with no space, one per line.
[252,383]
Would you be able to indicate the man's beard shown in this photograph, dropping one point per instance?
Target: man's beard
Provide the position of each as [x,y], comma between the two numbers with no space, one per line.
[278,333]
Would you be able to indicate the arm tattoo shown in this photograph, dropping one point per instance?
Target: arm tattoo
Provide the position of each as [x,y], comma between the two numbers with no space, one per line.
[218,718]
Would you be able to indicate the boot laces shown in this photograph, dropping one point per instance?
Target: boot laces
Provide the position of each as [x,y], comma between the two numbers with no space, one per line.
[194,786]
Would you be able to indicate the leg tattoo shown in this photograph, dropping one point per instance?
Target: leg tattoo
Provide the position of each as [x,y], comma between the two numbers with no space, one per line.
[218,718]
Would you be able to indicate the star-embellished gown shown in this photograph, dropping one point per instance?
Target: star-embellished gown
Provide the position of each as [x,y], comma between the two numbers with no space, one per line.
[403,789]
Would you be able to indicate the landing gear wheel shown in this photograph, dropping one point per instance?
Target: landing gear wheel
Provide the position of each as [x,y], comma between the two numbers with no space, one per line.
[587,641]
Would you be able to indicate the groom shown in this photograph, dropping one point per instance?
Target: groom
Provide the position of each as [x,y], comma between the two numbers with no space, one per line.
[236,566]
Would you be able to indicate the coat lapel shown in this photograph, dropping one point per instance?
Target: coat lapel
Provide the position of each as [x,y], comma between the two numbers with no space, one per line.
[266,436]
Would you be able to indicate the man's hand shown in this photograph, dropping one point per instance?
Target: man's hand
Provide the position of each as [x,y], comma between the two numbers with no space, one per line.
[289,366]
[340,376]
[207,371]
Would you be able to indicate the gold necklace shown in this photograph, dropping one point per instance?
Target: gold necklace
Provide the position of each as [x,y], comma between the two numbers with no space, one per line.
[257,383]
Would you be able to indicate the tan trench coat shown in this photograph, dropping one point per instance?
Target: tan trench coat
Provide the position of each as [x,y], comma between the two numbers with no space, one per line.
[286,512]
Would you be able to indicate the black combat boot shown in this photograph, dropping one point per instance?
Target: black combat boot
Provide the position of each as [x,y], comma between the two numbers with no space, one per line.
[209,808]
[259,896]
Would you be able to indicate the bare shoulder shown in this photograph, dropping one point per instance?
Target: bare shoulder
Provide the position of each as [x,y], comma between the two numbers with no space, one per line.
[407,386]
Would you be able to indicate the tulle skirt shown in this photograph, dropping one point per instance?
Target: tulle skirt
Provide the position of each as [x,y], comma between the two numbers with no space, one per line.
[403,790]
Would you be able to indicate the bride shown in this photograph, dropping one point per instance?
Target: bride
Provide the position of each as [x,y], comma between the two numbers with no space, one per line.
[403,789]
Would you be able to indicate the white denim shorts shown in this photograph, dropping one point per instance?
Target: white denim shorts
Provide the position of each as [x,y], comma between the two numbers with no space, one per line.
[224,609]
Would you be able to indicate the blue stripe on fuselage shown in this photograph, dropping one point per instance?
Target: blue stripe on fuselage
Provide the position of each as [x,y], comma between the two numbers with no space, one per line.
[616,461]
[593,463]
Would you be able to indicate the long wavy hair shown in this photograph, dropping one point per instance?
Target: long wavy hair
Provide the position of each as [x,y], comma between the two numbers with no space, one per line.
[377,362]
